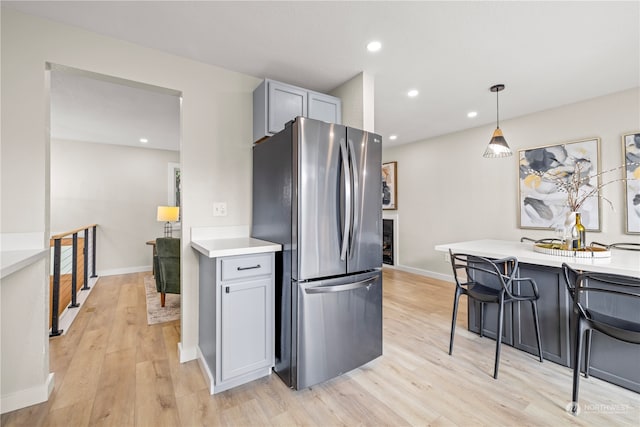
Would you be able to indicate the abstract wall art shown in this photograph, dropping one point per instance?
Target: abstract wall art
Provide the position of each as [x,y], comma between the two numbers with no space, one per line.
[631,152]
[389,186]
[553,177]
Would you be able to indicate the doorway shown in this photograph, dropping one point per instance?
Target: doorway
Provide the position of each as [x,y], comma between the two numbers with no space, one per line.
[113,144]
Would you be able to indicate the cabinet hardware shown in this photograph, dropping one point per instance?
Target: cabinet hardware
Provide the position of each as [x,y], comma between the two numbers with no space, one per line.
[249,268]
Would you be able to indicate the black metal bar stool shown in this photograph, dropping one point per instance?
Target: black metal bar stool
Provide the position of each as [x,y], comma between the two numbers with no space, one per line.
[491,282]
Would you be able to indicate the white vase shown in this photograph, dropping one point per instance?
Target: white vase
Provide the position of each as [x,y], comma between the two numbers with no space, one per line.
[563,229]
[570,220]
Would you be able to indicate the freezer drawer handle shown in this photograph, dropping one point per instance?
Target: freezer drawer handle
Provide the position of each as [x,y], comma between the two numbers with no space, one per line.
[348,287]
[249,268]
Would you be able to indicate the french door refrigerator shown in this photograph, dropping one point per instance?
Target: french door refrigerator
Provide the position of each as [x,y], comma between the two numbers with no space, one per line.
[317,190]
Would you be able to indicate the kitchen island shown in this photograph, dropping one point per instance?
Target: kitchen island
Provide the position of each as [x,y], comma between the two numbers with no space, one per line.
[611,360]
[621,262]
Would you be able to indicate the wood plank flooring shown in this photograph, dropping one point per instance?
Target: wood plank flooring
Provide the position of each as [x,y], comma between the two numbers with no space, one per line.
[113,369]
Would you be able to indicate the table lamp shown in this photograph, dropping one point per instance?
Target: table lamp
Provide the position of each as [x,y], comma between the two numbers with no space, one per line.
[168,214]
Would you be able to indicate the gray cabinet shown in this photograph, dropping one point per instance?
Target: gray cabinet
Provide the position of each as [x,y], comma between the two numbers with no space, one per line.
[236,324]
[284,103]
[553,313]
[276,103]
[490,324]
[324,107]
[244,329]
[614,361]
[490,321]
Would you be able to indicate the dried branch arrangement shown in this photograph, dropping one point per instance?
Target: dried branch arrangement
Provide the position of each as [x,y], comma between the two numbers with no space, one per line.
[576,182]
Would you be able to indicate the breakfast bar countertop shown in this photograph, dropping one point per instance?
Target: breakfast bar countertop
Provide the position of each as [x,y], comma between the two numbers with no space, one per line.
[623,262]
[214,248]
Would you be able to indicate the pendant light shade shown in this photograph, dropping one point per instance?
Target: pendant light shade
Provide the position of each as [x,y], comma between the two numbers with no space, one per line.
[498,146]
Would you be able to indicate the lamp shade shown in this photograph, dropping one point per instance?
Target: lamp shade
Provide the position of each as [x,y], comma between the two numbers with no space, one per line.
[168,213]
[497,146]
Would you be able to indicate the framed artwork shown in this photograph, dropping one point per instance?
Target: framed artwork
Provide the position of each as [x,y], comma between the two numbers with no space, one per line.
[389,186]
[553,177]
[631,161]
[173,185]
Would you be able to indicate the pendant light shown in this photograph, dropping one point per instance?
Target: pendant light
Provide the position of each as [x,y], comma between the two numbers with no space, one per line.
[498,145]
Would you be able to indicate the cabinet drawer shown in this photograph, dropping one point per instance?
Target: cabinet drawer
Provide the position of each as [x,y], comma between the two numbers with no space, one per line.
[245,266]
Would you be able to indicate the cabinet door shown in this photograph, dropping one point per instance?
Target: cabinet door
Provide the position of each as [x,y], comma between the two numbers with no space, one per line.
[553,309]
[490,325]
[285,103]
[325,107]
[490,320]
[613,360]
[245,327]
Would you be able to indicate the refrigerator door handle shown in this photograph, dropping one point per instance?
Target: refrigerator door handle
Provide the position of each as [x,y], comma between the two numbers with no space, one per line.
[340,288]
[347,200]
[356,196]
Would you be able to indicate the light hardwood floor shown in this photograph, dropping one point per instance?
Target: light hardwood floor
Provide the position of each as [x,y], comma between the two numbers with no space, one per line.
[113,369]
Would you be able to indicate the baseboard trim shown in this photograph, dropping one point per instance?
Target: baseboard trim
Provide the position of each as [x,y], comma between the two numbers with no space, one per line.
[426,273]
[31,396]
[187,354]
[126,270]
[205,370]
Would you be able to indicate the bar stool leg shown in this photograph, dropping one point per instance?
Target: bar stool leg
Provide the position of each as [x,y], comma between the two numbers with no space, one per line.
[580,330]
[587,353]
[536,322]
[453,319]
[499,336]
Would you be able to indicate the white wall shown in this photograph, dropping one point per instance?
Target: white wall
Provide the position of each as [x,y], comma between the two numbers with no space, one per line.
[215,148]
[119,188]
[448,192]
[357,95]
[24,334]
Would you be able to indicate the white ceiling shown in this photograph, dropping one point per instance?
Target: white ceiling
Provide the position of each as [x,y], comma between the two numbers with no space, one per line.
[546,53]
[95,108]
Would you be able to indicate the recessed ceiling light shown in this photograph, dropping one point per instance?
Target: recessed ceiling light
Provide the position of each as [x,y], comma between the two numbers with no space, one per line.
[412,93]
[374,46]
[144,140]
[393,137]
[472,114]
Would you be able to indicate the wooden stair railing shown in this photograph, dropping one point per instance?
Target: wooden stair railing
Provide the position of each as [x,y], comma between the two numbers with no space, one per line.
[63,285]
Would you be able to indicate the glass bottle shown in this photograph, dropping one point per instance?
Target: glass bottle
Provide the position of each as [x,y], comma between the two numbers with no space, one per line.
[578,234]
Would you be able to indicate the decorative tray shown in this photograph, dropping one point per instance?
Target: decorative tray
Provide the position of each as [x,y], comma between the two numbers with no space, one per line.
[556,249]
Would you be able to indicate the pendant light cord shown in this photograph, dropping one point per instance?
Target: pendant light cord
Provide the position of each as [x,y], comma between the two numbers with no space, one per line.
[497,110]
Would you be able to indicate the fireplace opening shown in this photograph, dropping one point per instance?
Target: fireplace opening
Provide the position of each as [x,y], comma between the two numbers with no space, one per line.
[387,241]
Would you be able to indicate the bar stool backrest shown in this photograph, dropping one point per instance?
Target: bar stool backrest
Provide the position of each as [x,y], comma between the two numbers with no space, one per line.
[601,298]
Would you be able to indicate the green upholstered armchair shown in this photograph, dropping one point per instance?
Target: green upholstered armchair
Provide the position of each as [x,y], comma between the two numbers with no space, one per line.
[167,266]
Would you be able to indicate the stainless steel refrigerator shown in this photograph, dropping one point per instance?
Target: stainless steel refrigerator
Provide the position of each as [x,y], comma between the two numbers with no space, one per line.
[317,190]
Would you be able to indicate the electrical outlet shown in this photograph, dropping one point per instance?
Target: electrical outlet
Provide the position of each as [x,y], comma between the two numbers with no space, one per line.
[446,257]
[220,209]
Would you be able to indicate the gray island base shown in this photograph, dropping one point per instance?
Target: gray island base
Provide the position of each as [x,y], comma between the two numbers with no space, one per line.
[611,360]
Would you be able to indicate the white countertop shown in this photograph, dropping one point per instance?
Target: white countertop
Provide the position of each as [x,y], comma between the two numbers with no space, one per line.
[12,261]
[621,261]
[214,248]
